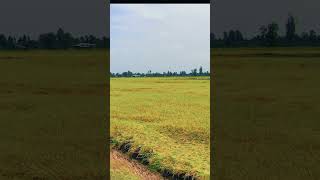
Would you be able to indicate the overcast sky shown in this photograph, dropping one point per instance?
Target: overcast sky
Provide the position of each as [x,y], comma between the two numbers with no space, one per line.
[248,15]
[40,16]
[159,37]
[91,16]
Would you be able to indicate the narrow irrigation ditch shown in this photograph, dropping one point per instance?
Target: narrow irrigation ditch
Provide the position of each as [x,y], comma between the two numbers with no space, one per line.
[143,155]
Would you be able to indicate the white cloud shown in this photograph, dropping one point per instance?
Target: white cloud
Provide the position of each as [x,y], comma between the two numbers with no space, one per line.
[159,37]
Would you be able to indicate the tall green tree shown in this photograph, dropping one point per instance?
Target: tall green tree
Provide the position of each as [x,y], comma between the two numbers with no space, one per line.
[47,41]
[263,33]
[200,71]
[3,41]
[290,28]
[194,72]
[272,33]
[238,36]
[312,35]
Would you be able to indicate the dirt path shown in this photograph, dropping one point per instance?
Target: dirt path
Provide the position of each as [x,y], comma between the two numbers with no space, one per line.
[119,161]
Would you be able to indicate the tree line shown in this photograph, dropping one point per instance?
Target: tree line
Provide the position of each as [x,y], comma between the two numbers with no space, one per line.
[268,35]
[193,72]
[52,40]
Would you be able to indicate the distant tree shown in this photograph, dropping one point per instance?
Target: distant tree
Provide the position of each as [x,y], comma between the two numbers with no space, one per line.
[23,40]
[47,41]
[232,36]
[183,73]
[238,36]
[3,41]
[67,41]
[32,44]
[11,42]
[272,34]
[200,71]
[125,74]
[194,72]
[64,40]
[157,74]
[82,39]
[268,35]
[226,38]
[263,32]
[106,42]
[312,36]
[290,28]
[60,39]
[304,36]
[164,74]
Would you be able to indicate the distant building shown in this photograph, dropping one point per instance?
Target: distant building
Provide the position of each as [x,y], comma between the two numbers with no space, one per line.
[17,46]
[84,45]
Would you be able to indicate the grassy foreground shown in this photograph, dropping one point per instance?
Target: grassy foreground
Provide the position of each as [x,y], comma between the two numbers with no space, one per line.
[266,113]
[52,114]
[124,168]
[121,171]
[168,117]
[122,174]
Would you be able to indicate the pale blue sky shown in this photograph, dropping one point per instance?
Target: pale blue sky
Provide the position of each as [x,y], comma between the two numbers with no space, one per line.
[159,37]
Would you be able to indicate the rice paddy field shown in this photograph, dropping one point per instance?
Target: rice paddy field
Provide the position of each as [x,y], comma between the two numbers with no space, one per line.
[53,114]
[265,101]
[167,119]
[266,113]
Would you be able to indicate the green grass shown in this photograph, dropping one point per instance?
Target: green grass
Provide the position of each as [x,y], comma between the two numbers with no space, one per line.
[168,116]
[52,114]
[266,113]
